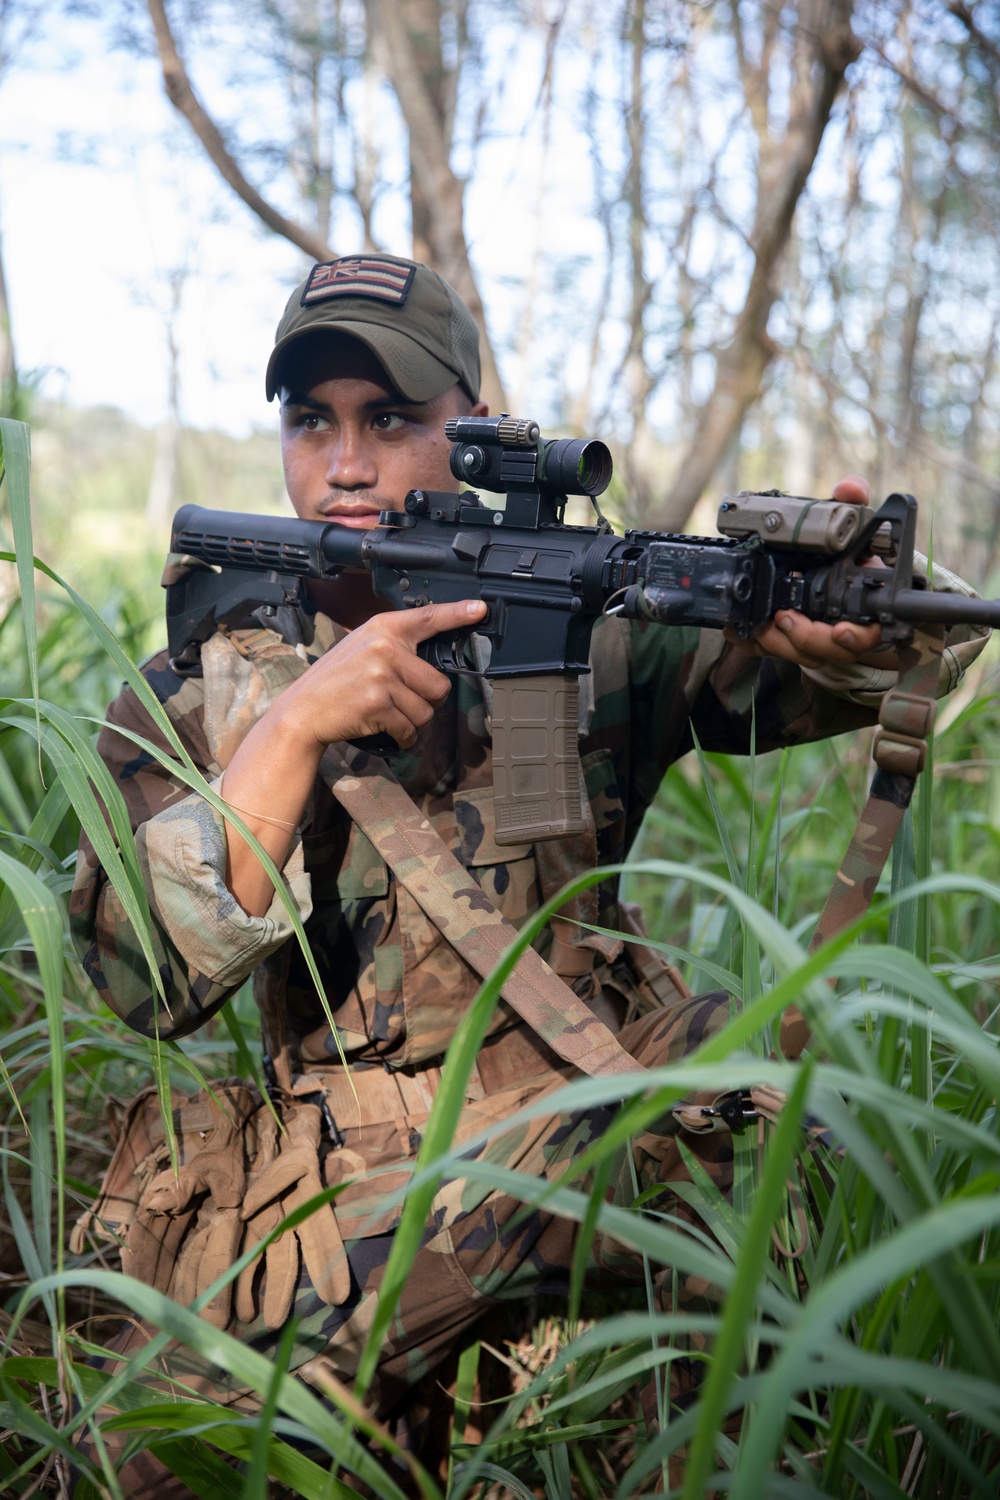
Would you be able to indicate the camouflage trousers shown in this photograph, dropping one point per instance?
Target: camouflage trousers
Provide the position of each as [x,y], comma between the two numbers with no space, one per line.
[481,1247]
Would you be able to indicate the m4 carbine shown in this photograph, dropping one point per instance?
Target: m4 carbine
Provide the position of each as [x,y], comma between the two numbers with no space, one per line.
[546,583]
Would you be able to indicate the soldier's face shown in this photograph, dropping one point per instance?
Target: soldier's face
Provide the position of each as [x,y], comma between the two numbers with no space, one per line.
[351,446]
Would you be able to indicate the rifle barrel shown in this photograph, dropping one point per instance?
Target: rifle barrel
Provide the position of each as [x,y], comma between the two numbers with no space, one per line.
[928,607]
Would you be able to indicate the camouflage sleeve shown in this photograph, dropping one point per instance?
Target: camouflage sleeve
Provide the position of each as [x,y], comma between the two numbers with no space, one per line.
[205,945]
[730,699]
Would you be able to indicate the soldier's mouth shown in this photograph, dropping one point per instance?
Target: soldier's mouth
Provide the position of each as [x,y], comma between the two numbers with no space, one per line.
[359,519]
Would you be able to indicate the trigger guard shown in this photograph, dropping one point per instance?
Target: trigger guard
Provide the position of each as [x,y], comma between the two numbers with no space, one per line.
[446,652]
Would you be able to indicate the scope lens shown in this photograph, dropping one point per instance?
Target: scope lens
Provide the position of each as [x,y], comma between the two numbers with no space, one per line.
[577,466]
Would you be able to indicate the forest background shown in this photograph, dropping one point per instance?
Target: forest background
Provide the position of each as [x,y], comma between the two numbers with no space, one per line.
[745,244]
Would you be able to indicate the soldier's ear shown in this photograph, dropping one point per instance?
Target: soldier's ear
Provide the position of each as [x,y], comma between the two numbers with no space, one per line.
[480,409]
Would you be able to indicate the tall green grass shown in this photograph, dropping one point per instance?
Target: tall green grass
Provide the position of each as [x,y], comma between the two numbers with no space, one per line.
[866,1364]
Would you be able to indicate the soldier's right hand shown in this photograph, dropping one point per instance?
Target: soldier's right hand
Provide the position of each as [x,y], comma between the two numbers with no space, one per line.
[373,681]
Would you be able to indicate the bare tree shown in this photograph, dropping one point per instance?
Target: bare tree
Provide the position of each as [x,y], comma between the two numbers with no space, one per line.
[734,303]
[639,382]
[822,46]
[161,497]
[904,266]
[408,38]
[184,99]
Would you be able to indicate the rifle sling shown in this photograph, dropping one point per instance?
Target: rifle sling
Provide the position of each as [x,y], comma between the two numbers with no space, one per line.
[900,752]
[464,914]
[470,922]
[422,862]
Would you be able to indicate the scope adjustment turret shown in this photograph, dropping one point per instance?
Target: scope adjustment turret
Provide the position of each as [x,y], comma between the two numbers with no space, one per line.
[509,432]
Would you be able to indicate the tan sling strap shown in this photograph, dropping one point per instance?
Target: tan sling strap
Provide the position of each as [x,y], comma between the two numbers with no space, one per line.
[900,752]
[464,914]
[411,847]
[422,862]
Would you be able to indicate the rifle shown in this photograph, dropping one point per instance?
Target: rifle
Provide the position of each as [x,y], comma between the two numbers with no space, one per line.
[546,583]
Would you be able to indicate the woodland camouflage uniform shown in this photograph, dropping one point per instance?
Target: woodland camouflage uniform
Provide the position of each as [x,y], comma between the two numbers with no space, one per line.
[398,989]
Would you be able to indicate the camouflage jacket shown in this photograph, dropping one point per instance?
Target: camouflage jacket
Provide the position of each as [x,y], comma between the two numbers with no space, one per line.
[396,988]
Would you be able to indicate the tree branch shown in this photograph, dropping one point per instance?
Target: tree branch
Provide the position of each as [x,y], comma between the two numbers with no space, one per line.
[782,176]
[986,44]
[441,190]
[184,99]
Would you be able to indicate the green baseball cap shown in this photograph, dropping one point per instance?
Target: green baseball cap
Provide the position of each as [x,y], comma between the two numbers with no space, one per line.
[414,323]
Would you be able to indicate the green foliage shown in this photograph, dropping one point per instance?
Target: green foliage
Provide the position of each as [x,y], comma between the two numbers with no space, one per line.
[850,1348]
[92,471]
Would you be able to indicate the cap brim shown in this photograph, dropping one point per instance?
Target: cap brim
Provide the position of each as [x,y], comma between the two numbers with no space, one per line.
[413,372]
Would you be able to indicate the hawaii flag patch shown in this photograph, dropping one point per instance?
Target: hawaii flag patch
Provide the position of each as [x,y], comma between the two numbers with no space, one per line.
[358,276]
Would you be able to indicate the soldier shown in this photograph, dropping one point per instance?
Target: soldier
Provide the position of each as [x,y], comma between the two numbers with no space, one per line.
[372,355]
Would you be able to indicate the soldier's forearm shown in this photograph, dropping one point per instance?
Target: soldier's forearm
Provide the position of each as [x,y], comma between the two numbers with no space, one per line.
[268,783]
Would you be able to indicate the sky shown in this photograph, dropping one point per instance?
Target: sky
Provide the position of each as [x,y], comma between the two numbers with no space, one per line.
[104,195]
[101,198]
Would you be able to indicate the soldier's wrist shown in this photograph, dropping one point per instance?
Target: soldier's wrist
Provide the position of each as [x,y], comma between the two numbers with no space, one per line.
[291,731]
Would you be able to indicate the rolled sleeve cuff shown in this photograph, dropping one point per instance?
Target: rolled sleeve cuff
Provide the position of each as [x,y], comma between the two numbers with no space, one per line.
[854,681]
[182,853]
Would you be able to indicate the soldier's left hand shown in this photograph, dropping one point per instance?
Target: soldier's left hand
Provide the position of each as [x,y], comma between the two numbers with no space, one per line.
[809,643]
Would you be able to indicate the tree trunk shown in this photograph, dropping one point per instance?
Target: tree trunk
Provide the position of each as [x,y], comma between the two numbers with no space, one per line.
[161,497]
[427,113]
[421,20]
[438,188]
[824,48]
[366,159]
[985,505]
[640,454]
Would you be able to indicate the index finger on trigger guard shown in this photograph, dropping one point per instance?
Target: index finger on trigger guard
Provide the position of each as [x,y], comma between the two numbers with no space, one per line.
[435,619]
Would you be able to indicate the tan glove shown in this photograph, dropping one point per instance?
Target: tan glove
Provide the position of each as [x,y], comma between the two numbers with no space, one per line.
[287,1175]
[238,1178]
[134,1162]
[187,1230]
